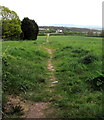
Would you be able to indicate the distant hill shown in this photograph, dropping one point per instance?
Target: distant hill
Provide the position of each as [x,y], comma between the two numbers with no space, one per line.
[74,29]
[80,26]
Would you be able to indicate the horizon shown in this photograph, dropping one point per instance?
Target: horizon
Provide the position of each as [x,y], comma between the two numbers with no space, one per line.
[75,26]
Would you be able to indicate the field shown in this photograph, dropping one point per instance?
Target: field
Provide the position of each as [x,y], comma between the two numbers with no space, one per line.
[77,62]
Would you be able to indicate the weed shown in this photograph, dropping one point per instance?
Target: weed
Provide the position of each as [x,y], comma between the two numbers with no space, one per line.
[88,59]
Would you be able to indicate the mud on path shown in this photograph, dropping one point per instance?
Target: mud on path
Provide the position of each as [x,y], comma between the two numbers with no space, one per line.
[41,109]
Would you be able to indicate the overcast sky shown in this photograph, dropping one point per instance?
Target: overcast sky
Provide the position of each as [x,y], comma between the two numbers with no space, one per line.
[45,12]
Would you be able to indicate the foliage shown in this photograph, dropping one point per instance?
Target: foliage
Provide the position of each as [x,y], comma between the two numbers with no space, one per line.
[90,33]
[15,111]
[10,23]
[29,28]
[102,33]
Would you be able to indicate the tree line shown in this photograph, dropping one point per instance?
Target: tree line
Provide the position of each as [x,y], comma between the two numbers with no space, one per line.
[14,28]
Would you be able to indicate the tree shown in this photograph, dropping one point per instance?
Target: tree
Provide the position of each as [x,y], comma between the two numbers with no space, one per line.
[29,28]
[90,33]
[11,24]
[102,33]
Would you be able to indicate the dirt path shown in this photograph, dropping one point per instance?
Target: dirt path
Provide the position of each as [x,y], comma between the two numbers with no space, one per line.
[50,66]
[38,109]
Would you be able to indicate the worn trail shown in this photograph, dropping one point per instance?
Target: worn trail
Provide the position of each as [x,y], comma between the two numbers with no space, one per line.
[38,109]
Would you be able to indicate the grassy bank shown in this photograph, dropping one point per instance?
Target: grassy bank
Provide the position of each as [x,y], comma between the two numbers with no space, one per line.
[24,71]
[78,62]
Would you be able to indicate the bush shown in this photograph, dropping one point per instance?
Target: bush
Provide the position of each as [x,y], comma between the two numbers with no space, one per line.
[88,59]
[96,83]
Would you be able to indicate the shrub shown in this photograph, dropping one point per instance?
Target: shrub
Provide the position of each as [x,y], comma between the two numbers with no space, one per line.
[88,59]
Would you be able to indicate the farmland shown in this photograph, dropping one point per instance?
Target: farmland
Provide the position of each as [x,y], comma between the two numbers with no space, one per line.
[77,62]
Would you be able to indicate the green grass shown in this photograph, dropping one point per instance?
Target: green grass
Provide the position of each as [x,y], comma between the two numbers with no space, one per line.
[25,70]
[77,61]
[23,64]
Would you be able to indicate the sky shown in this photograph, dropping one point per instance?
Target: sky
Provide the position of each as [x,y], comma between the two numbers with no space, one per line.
[50,12]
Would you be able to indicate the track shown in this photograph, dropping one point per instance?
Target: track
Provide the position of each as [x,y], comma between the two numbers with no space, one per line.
[40,109]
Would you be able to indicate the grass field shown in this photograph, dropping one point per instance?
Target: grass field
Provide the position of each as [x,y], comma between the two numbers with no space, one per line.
[24,71]
[78,69]
[78,61]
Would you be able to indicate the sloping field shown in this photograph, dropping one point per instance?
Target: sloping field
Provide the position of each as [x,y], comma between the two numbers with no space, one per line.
[78,65]
[76,68]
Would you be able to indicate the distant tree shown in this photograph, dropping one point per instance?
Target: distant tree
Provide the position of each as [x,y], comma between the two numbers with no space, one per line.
[11,27]
[96,34]
[90,33]
[102,33]
[29,28]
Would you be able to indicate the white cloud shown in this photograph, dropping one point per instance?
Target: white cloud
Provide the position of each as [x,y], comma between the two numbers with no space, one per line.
[79,12]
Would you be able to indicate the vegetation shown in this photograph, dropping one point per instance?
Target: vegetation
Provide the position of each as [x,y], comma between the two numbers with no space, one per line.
[11,27]
[54,30]
[29,28]
[24,72]
[78,62]
[78,65]
[102,33]
[14,29]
